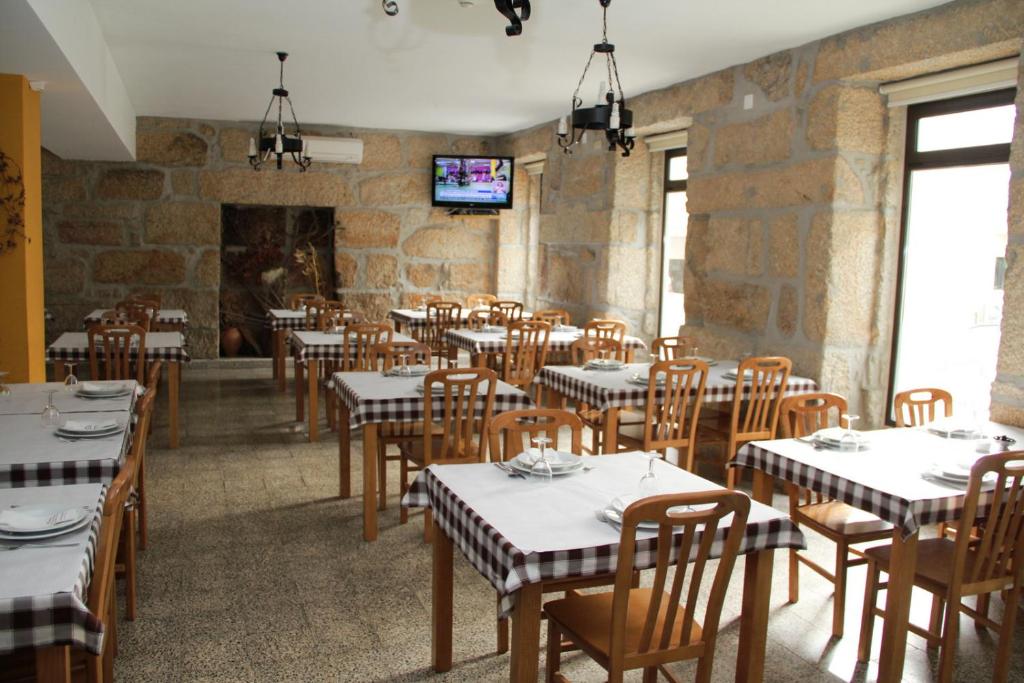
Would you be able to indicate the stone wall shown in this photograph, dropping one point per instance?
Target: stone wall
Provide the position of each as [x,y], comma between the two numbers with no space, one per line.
[154,225]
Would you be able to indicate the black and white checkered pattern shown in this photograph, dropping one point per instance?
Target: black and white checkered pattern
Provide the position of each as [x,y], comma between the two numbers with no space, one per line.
[508,568]
[286,320]
[480,342]
[59,473]
[166,316]
[60,618]
[166,346]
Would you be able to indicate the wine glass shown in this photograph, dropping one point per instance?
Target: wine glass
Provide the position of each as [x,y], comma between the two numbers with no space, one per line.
[70,380]
[693,351]
[850,440]
[4,389]
[403,366]
[648,485]
[50,414]
[540,468]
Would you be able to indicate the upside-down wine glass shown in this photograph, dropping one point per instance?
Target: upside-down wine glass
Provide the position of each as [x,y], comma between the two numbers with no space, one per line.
[850,440]
[50,414]
[540,469]
[648,485]
[70,380]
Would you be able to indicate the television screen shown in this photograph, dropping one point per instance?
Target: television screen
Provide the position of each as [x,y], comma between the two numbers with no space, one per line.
[473,182]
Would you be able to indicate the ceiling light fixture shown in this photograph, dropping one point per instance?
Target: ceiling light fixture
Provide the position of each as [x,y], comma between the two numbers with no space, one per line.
[611,115]
[516,11]
[280,143]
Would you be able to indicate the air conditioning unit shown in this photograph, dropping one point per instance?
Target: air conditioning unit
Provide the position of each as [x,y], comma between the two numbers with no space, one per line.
[334,150]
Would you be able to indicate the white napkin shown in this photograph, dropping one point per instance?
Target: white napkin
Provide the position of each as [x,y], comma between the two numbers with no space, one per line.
[83,426]
[29,519]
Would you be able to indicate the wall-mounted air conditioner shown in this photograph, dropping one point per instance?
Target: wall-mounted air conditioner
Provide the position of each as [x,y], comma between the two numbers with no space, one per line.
[334,150]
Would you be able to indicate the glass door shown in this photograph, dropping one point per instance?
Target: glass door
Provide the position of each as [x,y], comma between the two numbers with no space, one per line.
[673,246]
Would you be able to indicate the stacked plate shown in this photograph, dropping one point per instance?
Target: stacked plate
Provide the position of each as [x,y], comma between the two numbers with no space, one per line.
[605,364]
[103,390]
[949,429]
[561,463]
[413,371]
[80,429]
[435,390]
[833,438]
[956,475]
[565,328]
[710,362]
[732,375]
[34,522]
[614,510]
[492,329]
[645,380]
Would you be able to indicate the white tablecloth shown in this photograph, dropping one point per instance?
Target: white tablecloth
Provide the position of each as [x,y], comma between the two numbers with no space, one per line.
[32,455]
[30,399]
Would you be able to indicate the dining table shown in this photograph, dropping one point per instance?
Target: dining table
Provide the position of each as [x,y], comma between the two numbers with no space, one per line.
[503,526]
[414,320]
[309,349]
[367,400]
[171,317]
[281,322]
[72,348]
[44,583]
[609,391]
[484,345]
[896,474]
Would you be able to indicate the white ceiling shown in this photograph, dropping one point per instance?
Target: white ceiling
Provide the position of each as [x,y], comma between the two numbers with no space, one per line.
[438,66]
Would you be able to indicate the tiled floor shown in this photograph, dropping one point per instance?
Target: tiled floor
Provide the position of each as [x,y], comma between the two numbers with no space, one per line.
[257,572]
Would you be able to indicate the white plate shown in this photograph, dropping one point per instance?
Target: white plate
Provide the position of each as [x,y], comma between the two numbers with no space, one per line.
[493,329]
[93,390]
[559,460]
[557,469]
[35,518]
[955,432]
[414,371]
[834,435]
[605,364]
[46,534]
[438,389]
[88,435]
[731,374]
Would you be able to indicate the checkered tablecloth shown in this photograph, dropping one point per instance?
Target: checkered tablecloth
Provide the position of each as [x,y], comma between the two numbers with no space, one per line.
[373,398]
[604,389]
[307,345]
[413,319]
[494,342]
[74,347]
[287,319]
[494,519]
[891,479]
[170,316]
[59,616]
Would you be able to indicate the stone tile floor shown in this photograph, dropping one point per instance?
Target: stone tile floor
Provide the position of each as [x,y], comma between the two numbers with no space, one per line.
[256,571]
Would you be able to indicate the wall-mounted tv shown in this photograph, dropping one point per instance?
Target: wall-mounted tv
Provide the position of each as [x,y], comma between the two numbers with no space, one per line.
[472,182]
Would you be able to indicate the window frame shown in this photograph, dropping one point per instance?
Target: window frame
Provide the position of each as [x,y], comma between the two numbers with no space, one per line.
[668,186]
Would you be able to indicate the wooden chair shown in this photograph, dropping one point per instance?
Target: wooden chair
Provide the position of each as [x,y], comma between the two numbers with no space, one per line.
[555,316]
[980,564]
[297,301]
[441,317]
[582,351]
[152,387]
[671,348]
[120,316]
[606,329]
[477,319]
[128,544]
[670,421]
[143,313]
[480,300]
[116,342]
[456,439]
[755,413]
[512,310]
[331,314]
[391,354]
[840,523]
[917,406]
[647,628]
[362,344]
[526,352]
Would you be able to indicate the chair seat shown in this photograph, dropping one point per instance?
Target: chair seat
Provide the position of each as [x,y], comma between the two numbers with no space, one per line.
[413,450]
[842,519]
[588,618]
[934,562]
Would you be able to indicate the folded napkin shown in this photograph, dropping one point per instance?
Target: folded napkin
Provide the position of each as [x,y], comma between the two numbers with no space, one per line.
[83,426]
[28,519]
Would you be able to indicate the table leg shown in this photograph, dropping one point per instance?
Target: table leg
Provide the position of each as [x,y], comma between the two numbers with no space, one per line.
[344,452]
[610,439]
[300,391]
[526,634]
[273,356]
[764,485]
[482,360]
[53,664]
[902,565]
[441,601]
[555,399]
[313,374]
[279,360]
[60,371]
[173,390]
[757,591]
[370,481]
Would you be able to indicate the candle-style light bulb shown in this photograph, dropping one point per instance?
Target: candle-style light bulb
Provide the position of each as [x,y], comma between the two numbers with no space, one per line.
[252,148]
[613,121]
[278,144]
[563,126]
[305,148]
[600,93]
[631,132]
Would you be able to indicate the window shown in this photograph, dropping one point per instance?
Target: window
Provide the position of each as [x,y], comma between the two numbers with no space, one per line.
[953,246]
[673,245]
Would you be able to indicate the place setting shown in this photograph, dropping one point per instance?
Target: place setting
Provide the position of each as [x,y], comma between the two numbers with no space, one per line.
[842,439]
[542,463]
[23,525]
[648,485]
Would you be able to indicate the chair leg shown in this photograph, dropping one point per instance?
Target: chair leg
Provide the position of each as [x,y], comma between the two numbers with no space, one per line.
[403,486]
[731,477]
[839,596]
[935,621]
[867,617]
[502,624]
[130,575]
[651,674]
[428,526]
[141,507]
[382,474]
[1002,666]
[982,607]
[794,577]
[950,635]
[554,653]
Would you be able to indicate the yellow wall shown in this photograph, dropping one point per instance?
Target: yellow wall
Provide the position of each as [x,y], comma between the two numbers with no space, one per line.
[22,345]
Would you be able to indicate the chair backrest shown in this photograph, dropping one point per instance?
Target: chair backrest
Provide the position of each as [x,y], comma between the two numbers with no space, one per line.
[480,300]
[392,352]
[670,348]
[526,351]
[988,558]
[153,376]
[362,342]
[129,314]
[459,415]
[605,329]
[755,415]
[441,317]
[586,349]
[505,432]
[151,298]
[916,407]
[116,345]
[555,316]
[101,585]
[297,301]
[478,318]
[513,310]
[143,423]
[330,314]
[807,413]
[673,409]
[138,308]
[667,626]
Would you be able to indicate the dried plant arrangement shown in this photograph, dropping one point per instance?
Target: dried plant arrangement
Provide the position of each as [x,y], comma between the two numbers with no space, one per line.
[12,204]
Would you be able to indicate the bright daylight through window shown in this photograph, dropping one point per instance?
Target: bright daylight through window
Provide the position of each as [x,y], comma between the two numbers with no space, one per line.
[673,248]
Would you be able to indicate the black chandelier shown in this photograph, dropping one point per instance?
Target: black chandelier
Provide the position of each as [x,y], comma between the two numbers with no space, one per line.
[611,115]
[279,143]
[516,11]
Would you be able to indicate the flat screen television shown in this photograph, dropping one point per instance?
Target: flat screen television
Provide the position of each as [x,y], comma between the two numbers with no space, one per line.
[472,182]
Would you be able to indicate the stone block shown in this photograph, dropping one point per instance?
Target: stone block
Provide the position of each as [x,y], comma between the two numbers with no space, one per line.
[470,277]
[189,223]
[743,307]
[142,267]
[374,306]
[65,276]
[562,278]
[95,233]
[784,246]
[627,277]
[574,224]
[206,130]
[345,269]
[54,165]
[99,211]
[625,226]
[855,238]
[245,186]
[207,270]
[687,99]
[381,271]
[162,123]
[381,152]
[62,189]
[420,148]
[771,74]
[588,175]
[234,144]
[184,182]
[761,141]
[203,305]
[1011,353]
[423,275]
[735,246]
[1015,213]
[131,183]
[512,274]
[367,229]
[395,190]
[787,315]
[442,242]
[697,137]
[633,179]
[169,148]
[848,119]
